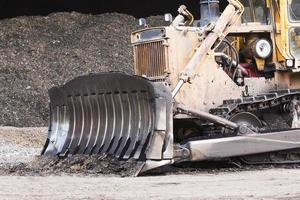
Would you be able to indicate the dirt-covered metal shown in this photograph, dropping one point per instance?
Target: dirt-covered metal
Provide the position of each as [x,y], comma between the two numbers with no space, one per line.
[109,113]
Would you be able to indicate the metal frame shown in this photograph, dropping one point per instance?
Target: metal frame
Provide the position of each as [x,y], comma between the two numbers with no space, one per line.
[215,149]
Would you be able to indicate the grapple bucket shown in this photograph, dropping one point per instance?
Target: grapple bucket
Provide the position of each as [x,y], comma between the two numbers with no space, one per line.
[115,114]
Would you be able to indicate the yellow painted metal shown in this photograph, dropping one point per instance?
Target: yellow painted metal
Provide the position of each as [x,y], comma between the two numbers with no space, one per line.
[283,26]
[280,34]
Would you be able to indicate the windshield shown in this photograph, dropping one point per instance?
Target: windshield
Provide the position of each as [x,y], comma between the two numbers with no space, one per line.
[294,10]
[295,42]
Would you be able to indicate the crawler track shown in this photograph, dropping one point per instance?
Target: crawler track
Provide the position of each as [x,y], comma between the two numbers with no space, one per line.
[276,111]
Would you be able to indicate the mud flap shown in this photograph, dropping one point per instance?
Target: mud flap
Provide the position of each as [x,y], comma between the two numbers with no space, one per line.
[116,114]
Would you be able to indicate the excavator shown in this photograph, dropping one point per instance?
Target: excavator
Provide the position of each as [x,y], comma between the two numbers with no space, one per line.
[226,86]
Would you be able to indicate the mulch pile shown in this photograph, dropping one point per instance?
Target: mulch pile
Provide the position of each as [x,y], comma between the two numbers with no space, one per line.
[37,53]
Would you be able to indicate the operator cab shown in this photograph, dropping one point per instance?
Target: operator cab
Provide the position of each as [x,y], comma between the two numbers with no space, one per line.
[294,19]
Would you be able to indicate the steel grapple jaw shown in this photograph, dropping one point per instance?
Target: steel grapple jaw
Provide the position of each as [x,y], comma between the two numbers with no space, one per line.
[115,114]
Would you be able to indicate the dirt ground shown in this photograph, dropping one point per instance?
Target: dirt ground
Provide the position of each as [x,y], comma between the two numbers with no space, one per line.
[266,184]
[25,175]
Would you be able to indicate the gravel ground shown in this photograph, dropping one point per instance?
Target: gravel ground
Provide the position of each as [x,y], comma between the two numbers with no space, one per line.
[9,152]
[37,53]
[25,175]
[20,156]
[20,145]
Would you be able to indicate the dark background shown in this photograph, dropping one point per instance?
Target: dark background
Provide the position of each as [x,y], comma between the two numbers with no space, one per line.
[137,8]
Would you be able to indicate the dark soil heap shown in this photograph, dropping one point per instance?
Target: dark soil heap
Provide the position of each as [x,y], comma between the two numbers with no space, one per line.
[37,53]
[79,164]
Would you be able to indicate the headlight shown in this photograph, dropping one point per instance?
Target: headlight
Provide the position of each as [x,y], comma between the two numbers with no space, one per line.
[263,48]
[290,63]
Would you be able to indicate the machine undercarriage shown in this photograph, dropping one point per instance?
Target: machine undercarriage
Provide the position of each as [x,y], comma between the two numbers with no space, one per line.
[263,114]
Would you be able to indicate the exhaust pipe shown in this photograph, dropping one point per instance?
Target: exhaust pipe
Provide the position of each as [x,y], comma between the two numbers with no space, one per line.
[210,11]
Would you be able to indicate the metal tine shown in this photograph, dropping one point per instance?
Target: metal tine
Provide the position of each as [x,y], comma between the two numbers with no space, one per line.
[79,113]
[92,113]
[150,115]
[55,122]
[150,128]
[126,99]
[88,124]
[135,128]
[103,129]
[145,124]
[62,129]
[72,125]
[95,127]
[141,122]
[54,127]
[119,123]
[112,124]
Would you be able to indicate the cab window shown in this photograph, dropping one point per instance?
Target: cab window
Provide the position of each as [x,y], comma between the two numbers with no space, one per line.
[295,42]
[294,10]
[255,11]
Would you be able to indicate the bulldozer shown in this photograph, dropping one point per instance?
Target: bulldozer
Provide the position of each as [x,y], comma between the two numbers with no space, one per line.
[224,87]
